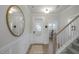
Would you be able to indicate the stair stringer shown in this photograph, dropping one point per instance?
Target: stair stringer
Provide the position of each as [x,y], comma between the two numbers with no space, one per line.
[61,49]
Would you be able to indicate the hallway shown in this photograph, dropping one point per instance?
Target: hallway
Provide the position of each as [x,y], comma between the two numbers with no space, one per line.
[38,29]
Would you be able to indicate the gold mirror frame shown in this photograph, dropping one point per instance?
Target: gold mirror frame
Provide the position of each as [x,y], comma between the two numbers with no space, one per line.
[8,20]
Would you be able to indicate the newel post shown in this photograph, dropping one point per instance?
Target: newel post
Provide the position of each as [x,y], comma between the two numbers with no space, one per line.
[54,42]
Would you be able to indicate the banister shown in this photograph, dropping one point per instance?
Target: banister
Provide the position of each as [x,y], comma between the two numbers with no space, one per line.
[56,34]
[67,24]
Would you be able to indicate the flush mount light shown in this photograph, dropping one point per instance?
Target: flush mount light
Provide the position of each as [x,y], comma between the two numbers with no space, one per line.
[15,20]
[48,9]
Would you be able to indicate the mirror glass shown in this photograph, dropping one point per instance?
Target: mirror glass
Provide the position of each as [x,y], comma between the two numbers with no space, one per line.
[15,20]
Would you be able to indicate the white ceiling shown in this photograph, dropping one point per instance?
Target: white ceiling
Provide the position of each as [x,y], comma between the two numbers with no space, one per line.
[58,8]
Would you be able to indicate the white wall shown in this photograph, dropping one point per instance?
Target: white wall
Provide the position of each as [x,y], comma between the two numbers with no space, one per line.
[9,43]
[67,14]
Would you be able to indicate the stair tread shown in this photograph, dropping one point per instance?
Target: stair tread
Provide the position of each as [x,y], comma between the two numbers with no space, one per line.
[78,39]
[73,50]
[76,44]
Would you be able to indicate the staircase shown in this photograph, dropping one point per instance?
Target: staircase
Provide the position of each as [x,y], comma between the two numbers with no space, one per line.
[73,48]
[67,41]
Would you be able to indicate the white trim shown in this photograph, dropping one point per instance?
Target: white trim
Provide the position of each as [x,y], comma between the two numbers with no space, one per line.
[66,44]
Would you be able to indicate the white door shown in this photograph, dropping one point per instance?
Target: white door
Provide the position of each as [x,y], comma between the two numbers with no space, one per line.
[40,33]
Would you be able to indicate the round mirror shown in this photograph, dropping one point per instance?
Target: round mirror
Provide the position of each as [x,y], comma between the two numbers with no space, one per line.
[15,20]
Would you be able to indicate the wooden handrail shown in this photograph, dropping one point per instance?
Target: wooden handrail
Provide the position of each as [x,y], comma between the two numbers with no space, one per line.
[55,35]
[67,24]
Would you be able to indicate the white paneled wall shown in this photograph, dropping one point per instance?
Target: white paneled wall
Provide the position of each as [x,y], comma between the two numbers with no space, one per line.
[18,46]
[68,14]
[10,43]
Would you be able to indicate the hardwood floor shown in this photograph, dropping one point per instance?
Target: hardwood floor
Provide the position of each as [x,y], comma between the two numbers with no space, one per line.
[38,49]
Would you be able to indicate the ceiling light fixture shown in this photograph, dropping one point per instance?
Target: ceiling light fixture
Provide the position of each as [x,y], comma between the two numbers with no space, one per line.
[48,9]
